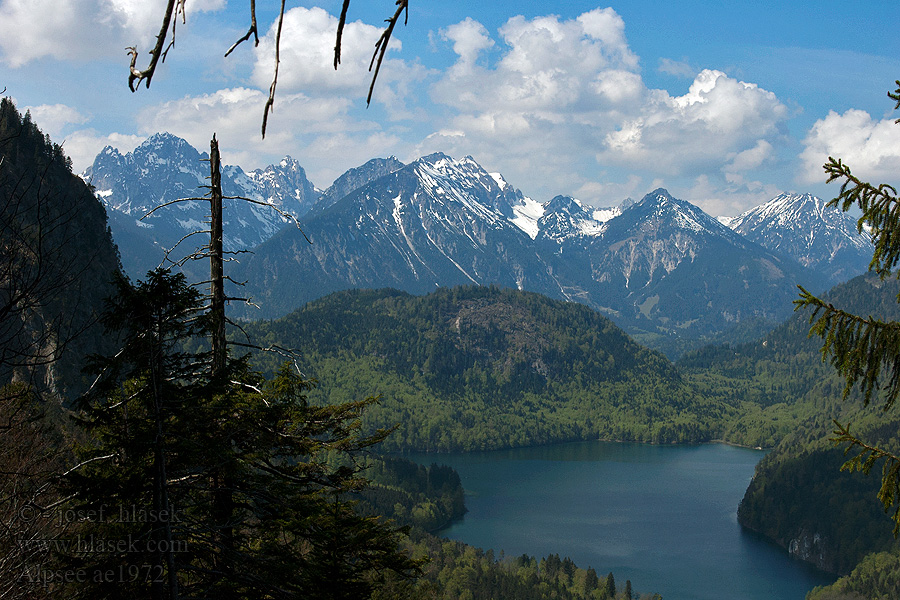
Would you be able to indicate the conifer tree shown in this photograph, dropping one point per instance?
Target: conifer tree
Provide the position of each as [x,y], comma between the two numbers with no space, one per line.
[864,350]
[627,594]
[170,439]
[609,589]
[591,582]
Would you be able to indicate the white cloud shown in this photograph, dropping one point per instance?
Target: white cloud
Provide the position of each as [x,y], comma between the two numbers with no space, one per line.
[548,65]
[717,120]
[316,131]
[561,103]
[871,148]
[307,56]
[750,159]
[730,198]
[53,119]
[235,114]
[676,68]
[469,39]
[79,29]
[633,187]
[84,145]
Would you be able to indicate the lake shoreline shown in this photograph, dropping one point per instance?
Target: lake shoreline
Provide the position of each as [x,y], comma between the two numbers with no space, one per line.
[661,515]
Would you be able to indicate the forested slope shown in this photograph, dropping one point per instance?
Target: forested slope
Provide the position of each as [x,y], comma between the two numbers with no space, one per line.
[474,368]
[57,262]
[799,498]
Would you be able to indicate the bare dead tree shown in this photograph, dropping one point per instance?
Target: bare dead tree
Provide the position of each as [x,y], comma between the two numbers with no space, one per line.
[174,8]
[213,252]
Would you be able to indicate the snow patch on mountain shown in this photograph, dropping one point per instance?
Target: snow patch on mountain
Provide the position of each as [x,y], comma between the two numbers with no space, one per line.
[527,214]
[803,227]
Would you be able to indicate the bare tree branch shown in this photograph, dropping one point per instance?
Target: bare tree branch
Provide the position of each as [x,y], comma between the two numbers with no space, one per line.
[174,7]
[135,77]
[270,103]
[340,33]
[252,31]
[164,204]
[382,43]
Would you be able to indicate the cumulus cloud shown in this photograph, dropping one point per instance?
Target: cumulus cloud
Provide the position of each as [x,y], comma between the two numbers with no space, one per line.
[316,131]
[870,147]
[236,114]
[54,119]
[84,145]
[563,96]
[307,60]
[469,38]
[729,199]
[79,29]
[718,118]
[548,64]
[749,159]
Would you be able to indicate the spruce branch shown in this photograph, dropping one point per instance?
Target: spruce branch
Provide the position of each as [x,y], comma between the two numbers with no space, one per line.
[865,459]
[860,349]
[895,96]
[880,211]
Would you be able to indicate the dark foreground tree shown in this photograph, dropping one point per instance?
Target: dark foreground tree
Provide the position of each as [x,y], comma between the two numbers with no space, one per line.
[864,350]
[228,485]
[53,239]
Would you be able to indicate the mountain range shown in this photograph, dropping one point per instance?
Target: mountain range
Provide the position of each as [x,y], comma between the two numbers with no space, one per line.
[166,168]
[660,267]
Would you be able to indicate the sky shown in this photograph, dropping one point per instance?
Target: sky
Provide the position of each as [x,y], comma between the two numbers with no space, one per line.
[726,105]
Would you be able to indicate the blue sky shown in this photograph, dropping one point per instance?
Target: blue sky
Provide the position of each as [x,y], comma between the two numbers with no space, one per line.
[724,104]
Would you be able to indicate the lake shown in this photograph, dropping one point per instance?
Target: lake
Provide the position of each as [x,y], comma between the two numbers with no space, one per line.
[662,516]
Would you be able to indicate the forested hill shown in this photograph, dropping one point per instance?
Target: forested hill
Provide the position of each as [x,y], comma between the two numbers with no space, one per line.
[57,262]
[483,367]
[781,377]
[799,497]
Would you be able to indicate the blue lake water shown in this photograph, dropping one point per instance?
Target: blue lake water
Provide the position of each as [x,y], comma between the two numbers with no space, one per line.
[662,516]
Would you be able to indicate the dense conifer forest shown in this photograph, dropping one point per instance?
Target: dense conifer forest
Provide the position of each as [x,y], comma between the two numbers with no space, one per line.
[483,368]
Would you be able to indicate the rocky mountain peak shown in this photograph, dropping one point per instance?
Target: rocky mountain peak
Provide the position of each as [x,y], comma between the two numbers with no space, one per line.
[804,228]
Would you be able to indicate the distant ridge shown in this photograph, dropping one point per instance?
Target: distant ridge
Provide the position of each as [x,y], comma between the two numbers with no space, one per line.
[662,268]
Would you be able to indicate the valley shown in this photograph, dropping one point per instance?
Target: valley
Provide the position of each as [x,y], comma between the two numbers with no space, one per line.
[497,323]
[663,270]
[511,349]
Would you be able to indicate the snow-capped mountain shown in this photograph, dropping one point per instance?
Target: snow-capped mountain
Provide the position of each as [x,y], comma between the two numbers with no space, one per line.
[664,265]
[435,222]
[166,168]
[565,218]
[660,266]
[803,227]
[356,178]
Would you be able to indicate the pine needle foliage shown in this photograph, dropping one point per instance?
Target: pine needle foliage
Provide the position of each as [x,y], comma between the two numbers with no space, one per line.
[246,489]
[865,351]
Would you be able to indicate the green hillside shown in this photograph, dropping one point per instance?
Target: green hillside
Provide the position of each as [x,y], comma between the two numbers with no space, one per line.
[799,498]
[474,368]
